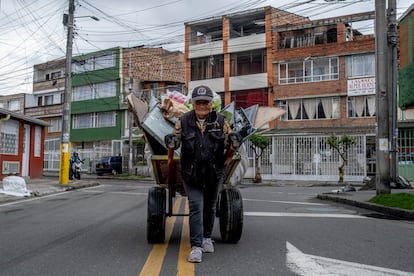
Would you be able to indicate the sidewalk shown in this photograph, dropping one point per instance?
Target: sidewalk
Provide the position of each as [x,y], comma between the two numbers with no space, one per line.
[360,199]
[49,184]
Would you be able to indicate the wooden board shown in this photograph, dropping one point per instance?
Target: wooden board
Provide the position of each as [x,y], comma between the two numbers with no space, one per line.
[138,106]
[266,114]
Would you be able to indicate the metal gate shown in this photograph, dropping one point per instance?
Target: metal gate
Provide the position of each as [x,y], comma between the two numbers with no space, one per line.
[311,158]
[406,153]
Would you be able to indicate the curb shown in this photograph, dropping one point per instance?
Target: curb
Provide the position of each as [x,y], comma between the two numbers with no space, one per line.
[75,186]
[396,212]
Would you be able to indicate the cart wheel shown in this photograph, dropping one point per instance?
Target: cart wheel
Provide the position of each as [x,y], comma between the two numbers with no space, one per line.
[231,215]
[156,215]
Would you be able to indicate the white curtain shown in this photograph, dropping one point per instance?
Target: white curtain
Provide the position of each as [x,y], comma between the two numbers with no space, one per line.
[310,107]
[360,103]
[371,105]
[327,107]
[294,108]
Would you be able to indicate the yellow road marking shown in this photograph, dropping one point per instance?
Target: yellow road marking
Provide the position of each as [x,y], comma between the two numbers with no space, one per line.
[156,257]
[185,268]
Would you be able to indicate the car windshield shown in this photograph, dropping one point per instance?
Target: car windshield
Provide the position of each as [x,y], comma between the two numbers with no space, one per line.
[104,159]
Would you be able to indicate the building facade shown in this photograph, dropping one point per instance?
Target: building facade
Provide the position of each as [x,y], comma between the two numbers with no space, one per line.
[321,71]
[46,103]
[13,102]
[21,145]
[100,121]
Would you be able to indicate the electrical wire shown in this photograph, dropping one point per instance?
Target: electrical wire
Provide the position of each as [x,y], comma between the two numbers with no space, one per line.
[123,32]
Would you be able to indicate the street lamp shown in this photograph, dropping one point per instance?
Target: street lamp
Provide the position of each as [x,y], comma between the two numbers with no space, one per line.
[65,143]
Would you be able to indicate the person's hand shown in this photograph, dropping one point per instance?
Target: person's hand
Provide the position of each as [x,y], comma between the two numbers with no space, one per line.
[235,140]
[171,141]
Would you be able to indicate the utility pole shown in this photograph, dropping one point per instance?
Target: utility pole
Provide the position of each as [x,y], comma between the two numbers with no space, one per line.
[65,143]
[130,118]
[392,85]
[382,179]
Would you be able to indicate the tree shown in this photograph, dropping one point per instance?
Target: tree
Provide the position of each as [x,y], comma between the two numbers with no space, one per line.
[258,143]
[341,145]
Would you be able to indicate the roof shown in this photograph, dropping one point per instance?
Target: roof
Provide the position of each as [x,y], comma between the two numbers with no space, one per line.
[406,13]
[22,117]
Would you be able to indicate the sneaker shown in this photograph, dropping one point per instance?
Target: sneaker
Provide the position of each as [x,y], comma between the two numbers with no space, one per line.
[195,255]
[208,246]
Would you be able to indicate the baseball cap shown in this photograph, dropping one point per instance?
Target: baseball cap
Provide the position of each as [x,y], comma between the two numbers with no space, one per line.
[202,93]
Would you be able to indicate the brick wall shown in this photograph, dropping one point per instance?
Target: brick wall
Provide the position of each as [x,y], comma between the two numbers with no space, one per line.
[153,64]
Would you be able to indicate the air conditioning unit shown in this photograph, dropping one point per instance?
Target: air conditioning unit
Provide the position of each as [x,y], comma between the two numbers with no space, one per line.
[10,167]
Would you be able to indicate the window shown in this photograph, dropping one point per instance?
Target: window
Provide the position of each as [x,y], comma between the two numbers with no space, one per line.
[45,100]
[55,125]
[82,120]
[56,75]
[105,89]
[82,66]
[1,105]
[313,70]
[9,137]
[94,91]
[38,140]
[361,106]
[81,93]
[94,63]
[105,61]
[52,145]
[207,68]
[307,37]
[94,120]
[14,105]
[106,119]
[311,108]
[250,62]
[360,65]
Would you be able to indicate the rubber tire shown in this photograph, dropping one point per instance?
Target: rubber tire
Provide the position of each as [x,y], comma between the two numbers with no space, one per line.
[156,215]
[231,215]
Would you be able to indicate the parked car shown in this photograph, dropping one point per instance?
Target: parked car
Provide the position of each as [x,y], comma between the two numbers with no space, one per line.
[109,164]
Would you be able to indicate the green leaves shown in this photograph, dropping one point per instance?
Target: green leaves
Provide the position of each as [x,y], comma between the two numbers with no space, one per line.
[260,141]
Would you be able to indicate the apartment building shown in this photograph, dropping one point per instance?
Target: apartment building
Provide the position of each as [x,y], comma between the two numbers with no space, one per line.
[46,103]
[13,102]
[100,121]
[321,71]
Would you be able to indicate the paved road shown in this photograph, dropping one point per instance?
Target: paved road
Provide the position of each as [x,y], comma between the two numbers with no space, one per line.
[101,230]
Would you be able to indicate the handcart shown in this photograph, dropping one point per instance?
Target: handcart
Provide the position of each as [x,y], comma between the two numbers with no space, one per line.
[160,200]
[166,169]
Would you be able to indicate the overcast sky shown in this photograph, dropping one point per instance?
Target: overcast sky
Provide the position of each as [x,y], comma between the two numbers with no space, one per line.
[31,31]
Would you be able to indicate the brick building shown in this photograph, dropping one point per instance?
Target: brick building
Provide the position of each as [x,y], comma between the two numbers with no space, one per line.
[321,71]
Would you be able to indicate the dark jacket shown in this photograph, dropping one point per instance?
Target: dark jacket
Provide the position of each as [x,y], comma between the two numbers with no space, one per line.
[202,153]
